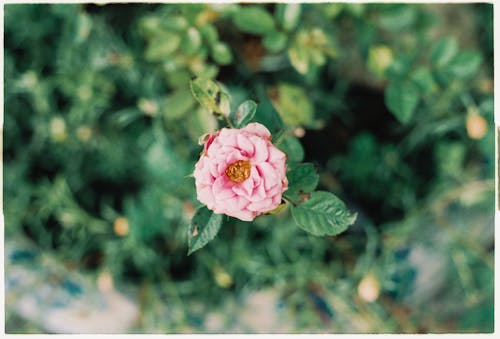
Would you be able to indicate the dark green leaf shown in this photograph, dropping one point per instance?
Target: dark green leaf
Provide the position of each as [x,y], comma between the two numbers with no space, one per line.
[267,115]
[402,98]
[292,148]
[423,78]
[443,51]
[302,179]
[254,20]
[244,114]
[464,64]
[398,17]
[275,41]
[323,214]
[204,227]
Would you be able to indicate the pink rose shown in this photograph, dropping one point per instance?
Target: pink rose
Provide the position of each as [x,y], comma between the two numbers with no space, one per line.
[241,173]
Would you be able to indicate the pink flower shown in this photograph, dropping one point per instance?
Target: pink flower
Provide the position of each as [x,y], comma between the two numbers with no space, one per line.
[241,173]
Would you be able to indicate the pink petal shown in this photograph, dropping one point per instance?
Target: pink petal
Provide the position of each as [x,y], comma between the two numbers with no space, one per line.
[244,215]
[261,151]
[222,189]
[261,206]
[257,129]
[259,193]
[276,156]
[268,173]
[244,189]
[205,196]
[245,145]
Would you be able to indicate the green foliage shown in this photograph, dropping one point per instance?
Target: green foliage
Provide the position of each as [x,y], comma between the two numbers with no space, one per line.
[254,20]
[302,179]
[323,214]
[101,136]
[204,227]
[210,96]
[293,105]
[402,98]
[244,113]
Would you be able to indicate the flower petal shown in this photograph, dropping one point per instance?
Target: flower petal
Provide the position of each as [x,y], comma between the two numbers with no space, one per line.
[261,206]
[268,173]
[257,129]
[245,145]
[261,152]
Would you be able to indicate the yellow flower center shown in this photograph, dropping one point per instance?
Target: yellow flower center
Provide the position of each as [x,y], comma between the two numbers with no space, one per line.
[238,171]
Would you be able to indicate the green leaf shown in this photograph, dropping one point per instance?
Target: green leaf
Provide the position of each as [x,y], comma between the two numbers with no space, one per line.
[288,15]
[178,104]
[302,179]
[299,58]
[292,148]
[293,104]
[191,41]
[443,51]
[379,59]
[323,214]
[254,20]
[398,17]
[267,115]
[275,41]
[209,33]
[464,64]
[423,78]
[210,95]
[162,45]
[204,227]
[244,114]
[222,54]
[402,98]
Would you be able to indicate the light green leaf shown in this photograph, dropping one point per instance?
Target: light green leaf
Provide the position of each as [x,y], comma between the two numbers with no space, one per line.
[162,45]
[288,15]
[210,95]
[254,20]
[443,51]
[293,104]
[275,41]
[204,227]
[244,114]
[222,54]
[402,99]
[299,58]
[191,41]
[209,33]
[380,57]
[323,214]
[302,179]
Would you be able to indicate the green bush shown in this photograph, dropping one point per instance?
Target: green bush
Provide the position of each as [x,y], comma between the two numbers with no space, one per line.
[392,103]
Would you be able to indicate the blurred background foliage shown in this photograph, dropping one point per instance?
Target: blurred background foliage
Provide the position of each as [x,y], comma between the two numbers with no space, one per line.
[392,102]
